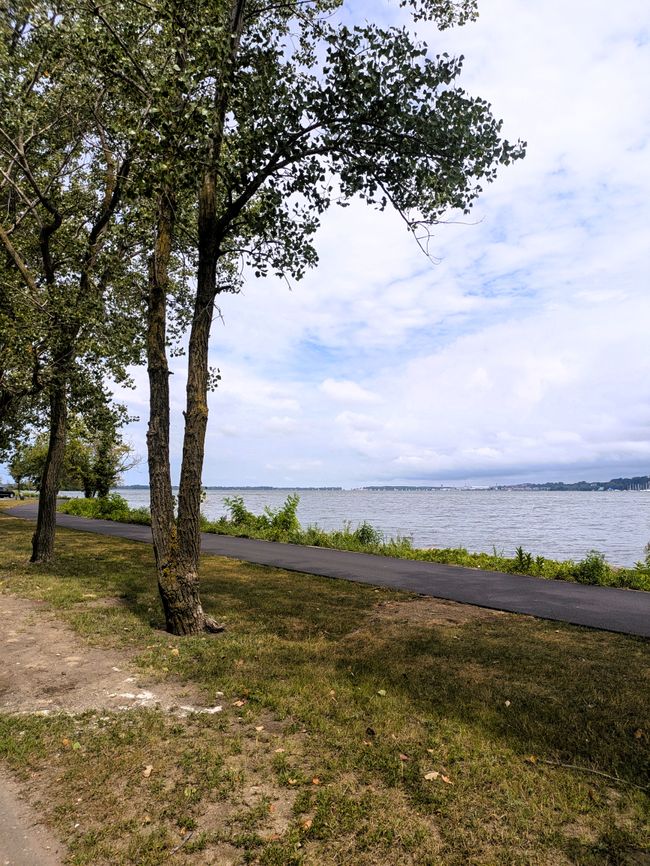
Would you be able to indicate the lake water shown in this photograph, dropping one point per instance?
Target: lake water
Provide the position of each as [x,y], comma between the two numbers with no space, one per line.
[558,525]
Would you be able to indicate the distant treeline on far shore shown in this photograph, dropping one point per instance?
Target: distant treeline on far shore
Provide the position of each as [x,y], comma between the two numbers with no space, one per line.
[639,482]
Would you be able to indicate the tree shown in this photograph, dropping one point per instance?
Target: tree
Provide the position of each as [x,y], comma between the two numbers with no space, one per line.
[70,296]
[94,458]
[260,117]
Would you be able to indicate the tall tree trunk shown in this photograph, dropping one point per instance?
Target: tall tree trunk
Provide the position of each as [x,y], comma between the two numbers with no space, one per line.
[43,539]
[196,412]
[178,585]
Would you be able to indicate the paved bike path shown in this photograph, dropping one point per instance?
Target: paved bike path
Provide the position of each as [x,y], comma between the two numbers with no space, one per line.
[619,610]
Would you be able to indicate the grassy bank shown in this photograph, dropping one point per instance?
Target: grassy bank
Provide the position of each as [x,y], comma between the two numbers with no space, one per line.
[282,525]
[359,726]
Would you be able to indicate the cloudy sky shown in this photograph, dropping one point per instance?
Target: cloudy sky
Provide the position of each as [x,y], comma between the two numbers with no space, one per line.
[523,354]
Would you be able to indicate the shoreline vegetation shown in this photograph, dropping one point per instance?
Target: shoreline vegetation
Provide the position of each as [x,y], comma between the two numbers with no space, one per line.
[282,525]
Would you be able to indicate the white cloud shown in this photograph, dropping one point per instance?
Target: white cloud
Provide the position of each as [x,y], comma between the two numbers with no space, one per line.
[346,391]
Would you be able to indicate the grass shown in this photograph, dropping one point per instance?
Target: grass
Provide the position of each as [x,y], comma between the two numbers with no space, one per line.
[360,694]
[282,525]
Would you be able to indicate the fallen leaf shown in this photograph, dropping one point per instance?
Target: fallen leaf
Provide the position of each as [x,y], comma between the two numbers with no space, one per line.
[292,781]
[638,734]
[147,771]
[76,746]
[306,824]
[507,703]
[65,742]
[531,759]
[175,651]
[259,728]
[382,692]
[404,757]
[431,776]
[367,743]
[431,751]
[446,780]
[315,781]
[279,751]
[238,703]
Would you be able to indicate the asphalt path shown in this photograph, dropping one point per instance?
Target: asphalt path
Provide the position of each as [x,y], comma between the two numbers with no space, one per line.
[619,610]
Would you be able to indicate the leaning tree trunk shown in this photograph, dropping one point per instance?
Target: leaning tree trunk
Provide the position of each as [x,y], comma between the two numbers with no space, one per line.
[196,413]
[43,538]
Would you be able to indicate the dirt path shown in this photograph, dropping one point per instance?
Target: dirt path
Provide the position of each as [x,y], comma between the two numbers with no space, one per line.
[23,840]
[48,669]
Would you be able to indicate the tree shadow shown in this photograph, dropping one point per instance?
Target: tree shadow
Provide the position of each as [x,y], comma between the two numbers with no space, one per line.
[563,693]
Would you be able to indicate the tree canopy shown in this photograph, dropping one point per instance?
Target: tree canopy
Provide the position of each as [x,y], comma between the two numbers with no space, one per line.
[206,137]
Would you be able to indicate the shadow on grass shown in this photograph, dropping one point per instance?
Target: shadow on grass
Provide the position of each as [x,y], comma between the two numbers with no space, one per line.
[558,692]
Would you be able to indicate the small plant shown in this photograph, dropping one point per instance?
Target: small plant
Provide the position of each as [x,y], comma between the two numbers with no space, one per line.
[285,518]
[367,534]
[239,514]
[523,560]
[593,569]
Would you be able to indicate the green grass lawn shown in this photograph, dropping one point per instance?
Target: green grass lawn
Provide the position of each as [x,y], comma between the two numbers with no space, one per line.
[359,726]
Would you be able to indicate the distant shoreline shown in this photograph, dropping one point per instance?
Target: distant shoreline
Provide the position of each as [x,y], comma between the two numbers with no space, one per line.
[638,483]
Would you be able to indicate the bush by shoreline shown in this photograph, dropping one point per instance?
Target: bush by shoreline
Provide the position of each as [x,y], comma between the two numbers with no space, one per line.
[282,525]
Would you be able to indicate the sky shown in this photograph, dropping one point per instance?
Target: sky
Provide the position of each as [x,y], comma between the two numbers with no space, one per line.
[521,354]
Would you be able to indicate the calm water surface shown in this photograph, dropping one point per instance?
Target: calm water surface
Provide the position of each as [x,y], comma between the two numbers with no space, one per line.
[558,525]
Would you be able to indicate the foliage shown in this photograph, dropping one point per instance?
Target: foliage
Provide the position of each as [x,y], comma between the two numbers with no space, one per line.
[273,524]
[368,535]
[95,456]
[593,570]
[111,507]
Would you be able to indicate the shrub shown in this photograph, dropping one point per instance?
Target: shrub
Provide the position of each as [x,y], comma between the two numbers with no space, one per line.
[285,518]
[367,534]
[593,569]
[112,507]
[239,514]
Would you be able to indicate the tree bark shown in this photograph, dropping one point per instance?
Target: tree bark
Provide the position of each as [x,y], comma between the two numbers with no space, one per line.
[196,413]
[43,538]
[178,585]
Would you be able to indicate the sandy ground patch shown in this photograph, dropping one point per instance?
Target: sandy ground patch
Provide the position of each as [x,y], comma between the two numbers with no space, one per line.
[430,612]
[49,669]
